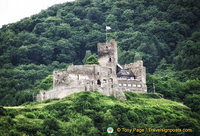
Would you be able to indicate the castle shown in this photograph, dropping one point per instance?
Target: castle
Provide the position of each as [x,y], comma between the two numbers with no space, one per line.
[109,78]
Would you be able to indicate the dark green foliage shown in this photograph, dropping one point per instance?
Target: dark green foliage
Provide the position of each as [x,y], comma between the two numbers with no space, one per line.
[46,83]
[168,85]
[50,126]
[2,111]
[92,60]
[18,84]
[193,101]
[30,115]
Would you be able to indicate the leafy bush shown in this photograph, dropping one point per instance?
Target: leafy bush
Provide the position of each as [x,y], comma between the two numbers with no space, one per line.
[41,116]
[92,60]
[46,83]
[2,111]
[30,115]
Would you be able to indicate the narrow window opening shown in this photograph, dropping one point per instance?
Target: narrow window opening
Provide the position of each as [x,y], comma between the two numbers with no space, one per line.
[98,82]
[110,70]
[110,60]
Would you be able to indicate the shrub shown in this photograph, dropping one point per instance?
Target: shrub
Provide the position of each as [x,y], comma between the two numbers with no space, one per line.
[41,116]
[30,115]
[2,111]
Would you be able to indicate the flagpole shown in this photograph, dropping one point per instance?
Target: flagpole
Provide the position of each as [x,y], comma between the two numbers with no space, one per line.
[106,36]
[107,28]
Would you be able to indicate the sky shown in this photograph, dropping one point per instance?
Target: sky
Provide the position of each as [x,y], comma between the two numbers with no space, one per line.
[14,10]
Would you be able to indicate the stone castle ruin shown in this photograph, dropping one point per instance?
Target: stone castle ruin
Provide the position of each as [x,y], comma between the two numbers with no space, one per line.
[108,78]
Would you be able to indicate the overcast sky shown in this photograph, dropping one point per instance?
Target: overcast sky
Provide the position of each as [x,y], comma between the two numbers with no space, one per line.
[13,10]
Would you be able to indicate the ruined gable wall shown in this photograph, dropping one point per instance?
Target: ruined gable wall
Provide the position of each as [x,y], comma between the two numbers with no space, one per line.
[73,74]
[138,70]
[59,78]
[140,73]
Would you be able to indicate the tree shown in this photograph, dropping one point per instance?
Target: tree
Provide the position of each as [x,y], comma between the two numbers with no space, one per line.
[87,54]
[92,60]
[46,83]
[137,57]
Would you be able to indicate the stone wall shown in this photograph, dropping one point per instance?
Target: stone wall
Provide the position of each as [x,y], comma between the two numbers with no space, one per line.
[83,78]
[59,92]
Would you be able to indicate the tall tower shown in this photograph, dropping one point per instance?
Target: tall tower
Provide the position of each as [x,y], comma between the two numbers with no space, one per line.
[107,55]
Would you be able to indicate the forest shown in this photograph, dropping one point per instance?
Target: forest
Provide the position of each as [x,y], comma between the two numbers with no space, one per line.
[164,34]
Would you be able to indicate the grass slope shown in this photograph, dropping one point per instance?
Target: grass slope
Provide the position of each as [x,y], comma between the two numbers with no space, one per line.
[91,114]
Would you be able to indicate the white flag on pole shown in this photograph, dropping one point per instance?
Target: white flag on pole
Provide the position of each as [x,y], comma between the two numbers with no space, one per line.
[108,27]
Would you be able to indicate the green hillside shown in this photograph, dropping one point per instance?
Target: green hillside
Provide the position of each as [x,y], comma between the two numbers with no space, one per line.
[90,114]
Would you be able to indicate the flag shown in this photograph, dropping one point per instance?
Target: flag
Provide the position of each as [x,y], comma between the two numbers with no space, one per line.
[108,27]
[110,130]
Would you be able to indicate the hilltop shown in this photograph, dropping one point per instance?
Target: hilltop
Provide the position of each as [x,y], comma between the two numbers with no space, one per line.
[88,113]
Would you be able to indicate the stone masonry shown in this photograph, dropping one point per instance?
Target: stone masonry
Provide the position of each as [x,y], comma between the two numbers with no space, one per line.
[109,78]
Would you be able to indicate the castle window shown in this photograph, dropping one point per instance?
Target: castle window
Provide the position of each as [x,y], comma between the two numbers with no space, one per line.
[139,85]
[97,73]
[104,80]
[129,85]
[120,84]
[124,84]
[134,85]
[98,82]
[110,70]
[110,60]
[111,86]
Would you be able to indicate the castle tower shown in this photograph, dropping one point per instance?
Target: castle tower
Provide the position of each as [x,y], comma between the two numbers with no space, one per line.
[107,55]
